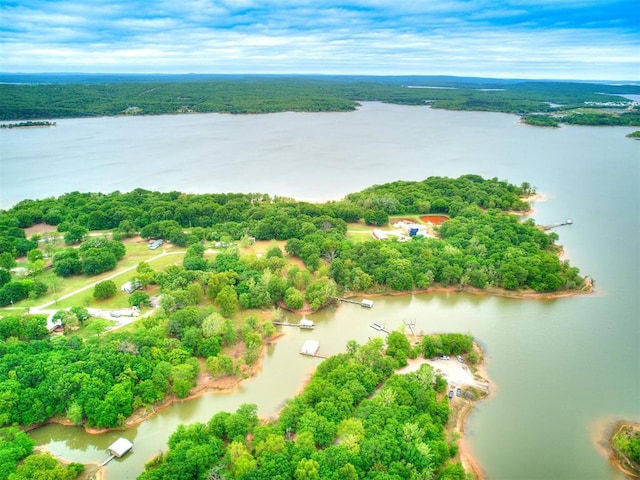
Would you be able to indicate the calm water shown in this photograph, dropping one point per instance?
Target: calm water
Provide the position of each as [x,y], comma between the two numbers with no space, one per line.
[560,368]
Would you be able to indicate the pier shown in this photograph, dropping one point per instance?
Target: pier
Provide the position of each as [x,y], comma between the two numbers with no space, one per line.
[556,225]
[106,461]
[380,328]
[306,324]
[364,303]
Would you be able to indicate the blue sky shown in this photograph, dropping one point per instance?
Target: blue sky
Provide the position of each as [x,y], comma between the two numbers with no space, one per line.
[562,39]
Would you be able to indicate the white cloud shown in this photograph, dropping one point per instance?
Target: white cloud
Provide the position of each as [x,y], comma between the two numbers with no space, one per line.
[365,36]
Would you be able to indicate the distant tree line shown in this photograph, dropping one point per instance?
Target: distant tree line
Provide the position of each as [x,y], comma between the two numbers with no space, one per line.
[254,94]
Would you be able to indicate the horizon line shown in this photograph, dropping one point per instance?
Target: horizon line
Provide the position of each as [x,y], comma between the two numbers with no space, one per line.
[374,75]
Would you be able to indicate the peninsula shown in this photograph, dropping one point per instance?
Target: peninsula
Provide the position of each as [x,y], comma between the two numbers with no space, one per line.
[226,261]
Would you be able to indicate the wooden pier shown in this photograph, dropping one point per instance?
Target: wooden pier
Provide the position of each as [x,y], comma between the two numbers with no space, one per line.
[308,324]
[380,328]
[561,224]
[364,303]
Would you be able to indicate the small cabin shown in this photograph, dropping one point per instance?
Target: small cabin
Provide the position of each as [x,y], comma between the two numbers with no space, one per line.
[120,447]
[366,303]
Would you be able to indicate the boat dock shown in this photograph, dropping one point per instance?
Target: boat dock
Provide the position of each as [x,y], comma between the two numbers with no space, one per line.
[117,449]
[311,348]
[561,224]
[380,328]
[304,323]
[106,461]
[364,303]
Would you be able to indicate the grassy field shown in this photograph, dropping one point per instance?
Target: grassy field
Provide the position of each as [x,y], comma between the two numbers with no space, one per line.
[137,250]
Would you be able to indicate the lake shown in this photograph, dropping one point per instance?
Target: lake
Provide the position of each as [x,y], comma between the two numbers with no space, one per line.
[561,369]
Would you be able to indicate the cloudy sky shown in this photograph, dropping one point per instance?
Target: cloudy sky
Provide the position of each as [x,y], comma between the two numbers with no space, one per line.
[563,39]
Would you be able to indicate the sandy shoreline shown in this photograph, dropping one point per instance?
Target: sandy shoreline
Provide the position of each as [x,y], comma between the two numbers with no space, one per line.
[602,437]
[459,375]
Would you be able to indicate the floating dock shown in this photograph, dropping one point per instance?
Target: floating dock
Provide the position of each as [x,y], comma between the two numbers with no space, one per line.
[117,449]
[364,303]
[378,327]
[561,224]
[120,447]
[304,323]
[310,348]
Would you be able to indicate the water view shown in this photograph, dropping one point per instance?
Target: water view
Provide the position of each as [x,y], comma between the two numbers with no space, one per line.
[560,368]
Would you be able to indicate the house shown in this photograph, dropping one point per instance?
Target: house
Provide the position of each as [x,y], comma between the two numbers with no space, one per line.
[120,447]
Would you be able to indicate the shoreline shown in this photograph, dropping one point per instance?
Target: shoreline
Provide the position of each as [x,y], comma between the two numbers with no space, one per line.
[454,429]
[602,438]
[229,384]
[489,292]
[461,408]
[205,385]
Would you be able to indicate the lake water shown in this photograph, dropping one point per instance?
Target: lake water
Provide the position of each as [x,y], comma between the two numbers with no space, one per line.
[560,368]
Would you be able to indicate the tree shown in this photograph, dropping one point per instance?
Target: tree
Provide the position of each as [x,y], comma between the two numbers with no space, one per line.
[307,469]
[75,234]
[320,293]
[81,313]
[398,347]
[105,289]
[227,300]
[138,299]
[98,260]
[7,261]
[35,254]
[5,276]
[293,298]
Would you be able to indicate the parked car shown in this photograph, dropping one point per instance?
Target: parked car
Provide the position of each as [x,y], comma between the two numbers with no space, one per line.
[450,393]
[458,392]
[460,359]
[444,357]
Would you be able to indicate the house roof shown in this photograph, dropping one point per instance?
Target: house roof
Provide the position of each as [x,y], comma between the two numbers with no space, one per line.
[120,447]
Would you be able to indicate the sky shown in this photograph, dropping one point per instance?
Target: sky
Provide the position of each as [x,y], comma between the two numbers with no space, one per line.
[551,39]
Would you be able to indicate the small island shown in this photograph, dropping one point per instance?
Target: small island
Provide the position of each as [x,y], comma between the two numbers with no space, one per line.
[635,135]
[28,124]
[625,447]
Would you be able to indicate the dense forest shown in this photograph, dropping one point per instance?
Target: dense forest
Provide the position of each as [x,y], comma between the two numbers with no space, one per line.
[58,96]
[355,419]
[481,245]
